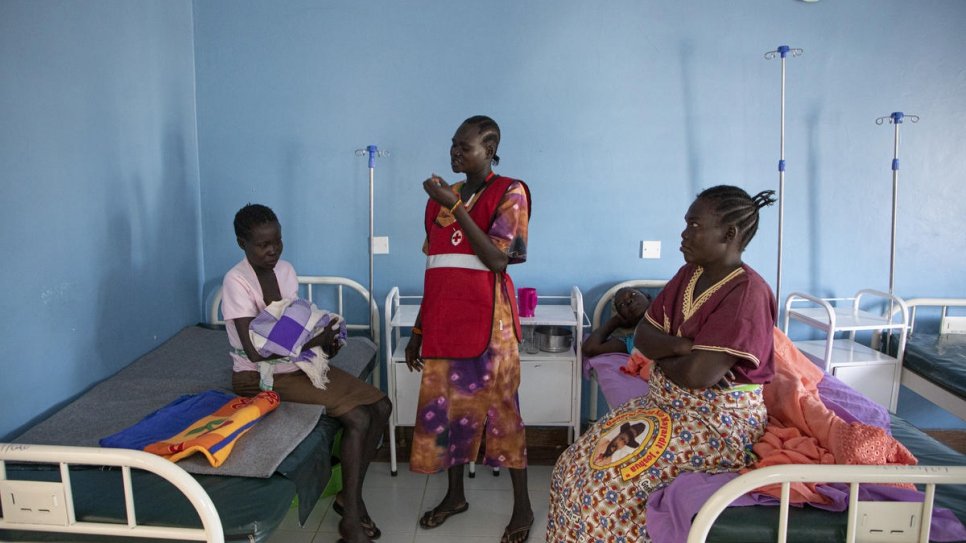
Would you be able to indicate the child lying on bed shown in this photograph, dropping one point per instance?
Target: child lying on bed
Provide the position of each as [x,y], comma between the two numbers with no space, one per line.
[259,280]
[616,335]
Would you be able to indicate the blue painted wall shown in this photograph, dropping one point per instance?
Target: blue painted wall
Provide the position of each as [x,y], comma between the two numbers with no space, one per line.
[100,230]
[616,117]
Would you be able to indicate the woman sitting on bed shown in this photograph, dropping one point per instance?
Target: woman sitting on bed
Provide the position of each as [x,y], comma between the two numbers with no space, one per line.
[258,280]
[710,333]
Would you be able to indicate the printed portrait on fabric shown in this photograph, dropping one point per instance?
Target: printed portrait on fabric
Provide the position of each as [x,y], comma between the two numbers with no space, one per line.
[633,441]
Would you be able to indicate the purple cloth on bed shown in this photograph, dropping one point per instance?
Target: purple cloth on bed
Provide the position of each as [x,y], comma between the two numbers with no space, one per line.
[670,509]
[617,386]
[850,405]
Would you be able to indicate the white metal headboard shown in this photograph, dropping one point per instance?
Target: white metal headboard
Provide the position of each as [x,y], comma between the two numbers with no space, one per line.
[948,324]
[340,284]
[606,298]
[602,305]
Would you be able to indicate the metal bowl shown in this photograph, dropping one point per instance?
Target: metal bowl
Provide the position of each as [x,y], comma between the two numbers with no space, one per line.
[553,339]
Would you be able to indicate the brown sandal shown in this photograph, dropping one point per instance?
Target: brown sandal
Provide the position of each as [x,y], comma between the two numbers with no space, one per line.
[372,531]
[436,517]
[518,535]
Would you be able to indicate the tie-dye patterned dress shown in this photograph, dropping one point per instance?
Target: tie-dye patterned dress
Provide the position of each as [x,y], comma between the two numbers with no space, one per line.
[459,399]
[600,484]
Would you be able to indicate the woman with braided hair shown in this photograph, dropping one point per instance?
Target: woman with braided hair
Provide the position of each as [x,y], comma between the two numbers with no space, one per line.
[709,332]
[466,336]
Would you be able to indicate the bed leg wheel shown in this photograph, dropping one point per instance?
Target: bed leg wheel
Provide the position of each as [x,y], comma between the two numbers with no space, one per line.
[394,472]
[472,474]
[496,472]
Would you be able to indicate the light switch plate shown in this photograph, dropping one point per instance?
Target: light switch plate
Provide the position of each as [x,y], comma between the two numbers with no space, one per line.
[650,249]
[380,245]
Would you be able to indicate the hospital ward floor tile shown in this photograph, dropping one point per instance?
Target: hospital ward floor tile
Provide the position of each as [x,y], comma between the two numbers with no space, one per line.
[397,503]
[954,439]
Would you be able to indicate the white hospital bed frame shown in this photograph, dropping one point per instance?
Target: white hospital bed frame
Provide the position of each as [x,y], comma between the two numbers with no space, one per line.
[602,304]
[49,506]
[948,325]
[868,521]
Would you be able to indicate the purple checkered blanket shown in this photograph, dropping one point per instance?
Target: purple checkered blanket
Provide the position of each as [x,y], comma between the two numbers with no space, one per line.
[283,328]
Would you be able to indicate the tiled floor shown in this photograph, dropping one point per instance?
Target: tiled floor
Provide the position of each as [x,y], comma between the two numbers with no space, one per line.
[396,503]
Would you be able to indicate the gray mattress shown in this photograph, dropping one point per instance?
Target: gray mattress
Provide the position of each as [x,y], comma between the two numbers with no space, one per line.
[940,359]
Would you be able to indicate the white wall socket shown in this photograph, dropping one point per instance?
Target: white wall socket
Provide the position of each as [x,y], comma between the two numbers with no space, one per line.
[380,245]
[650,249]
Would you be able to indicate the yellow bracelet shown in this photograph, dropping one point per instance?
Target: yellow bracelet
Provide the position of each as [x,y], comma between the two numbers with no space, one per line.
[417,331]
[456,205]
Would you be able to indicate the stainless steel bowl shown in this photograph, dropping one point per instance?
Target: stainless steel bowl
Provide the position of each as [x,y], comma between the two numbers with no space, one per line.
[553,339]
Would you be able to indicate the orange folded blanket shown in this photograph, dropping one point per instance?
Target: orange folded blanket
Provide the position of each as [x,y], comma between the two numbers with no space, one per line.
[802,430]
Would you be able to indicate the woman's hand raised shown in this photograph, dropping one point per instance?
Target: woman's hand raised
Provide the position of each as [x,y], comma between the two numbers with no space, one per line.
[439,190]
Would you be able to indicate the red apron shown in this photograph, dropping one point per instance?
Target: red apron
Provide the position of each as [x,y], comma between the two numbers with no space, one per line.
[459,290]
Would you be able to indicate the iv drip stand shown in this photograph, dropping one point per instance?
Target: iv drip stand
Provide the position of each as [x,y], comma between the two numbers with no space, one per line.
[896,119]
[783,51]
[373,152]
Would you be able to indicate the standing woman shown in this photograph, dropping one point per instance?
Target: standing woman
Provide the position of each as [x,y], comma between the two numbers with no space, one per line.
[466,337]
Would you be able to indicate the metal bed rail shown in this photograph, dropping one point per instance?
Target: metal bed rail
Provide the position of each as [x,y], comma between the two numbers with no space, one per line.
[867,520]
[944,304]
[49,506]
[340,284]
[602,304]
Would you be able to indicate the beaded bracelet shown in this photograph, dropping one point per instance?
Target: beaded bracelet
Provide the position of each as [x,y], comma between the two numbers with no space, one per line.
[417,331]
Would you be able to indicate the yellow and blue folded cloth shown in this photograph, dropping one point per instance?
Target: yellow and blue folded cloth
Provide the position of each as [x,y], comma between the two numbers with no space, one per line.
[209,423]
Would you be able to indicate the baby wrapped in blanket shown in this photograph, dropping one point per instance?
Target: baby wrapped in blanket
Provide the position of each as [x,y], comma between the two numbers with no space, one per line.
[283,328]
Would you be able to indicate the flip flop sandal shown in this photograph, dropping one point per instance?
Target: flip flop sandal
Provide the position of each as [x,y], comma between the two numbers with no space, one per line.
[372,531]
[518,535]
[435,518]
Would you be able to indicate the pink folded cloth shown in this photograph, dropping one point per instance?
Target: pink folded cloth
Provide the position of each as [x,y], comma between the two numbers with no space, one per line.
[802,430]
[638,365]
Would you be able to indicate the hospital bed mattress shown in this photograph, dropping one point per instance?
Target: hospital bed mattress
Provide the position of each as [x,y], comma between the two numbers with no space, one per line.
[940,359]
[250,507]
[807,524]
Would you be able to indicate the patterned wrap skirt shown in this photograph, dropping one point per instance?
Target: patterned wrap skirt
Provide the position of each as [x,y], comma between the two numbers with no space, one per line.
[461,398]
[600,484]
